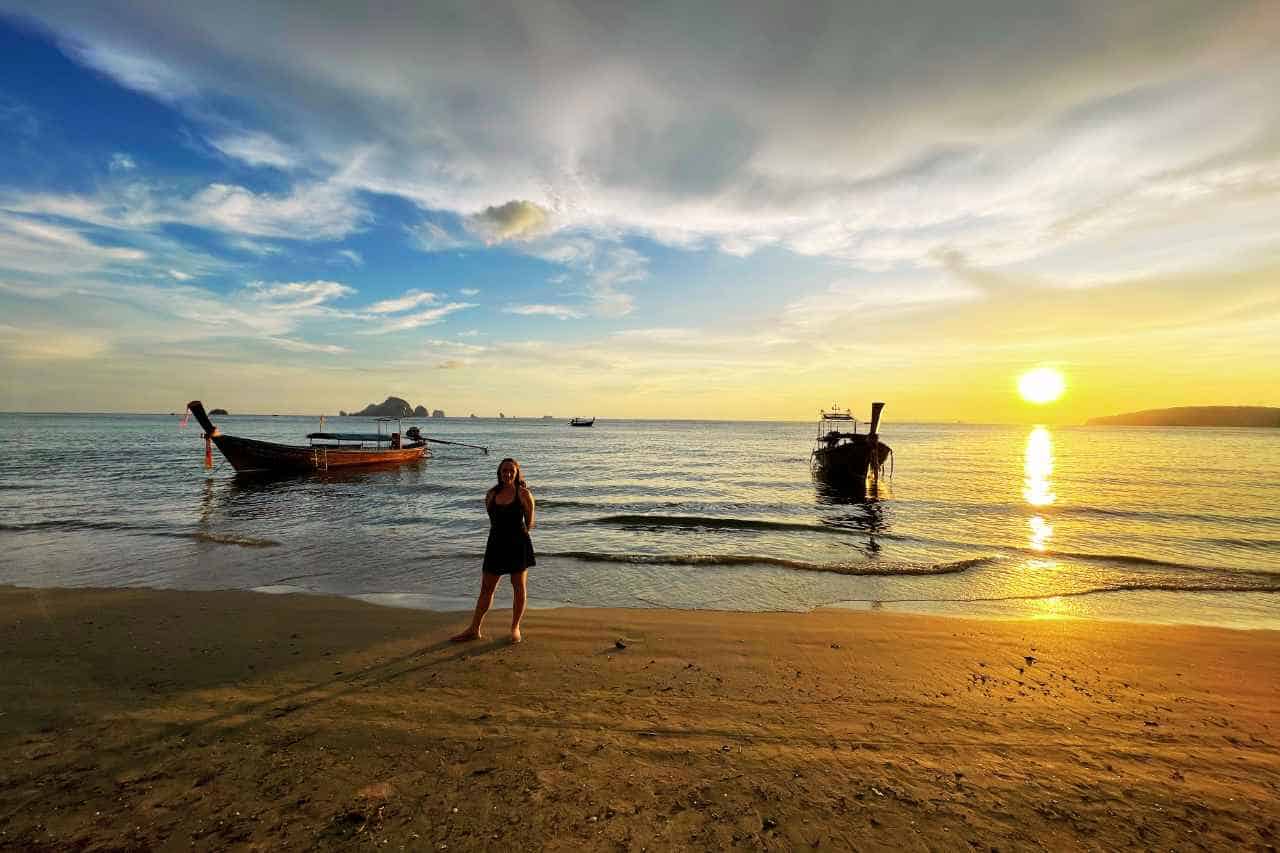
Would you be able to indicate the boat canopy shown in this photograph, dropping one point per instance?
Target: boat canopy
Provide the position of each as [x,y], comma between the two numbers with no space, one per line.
[349,436]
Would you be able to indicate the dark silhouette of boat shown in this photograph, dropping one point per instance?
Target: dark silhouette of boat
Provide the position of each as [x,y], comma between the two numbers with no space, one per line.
[583,421]
[845,458]
[326,449]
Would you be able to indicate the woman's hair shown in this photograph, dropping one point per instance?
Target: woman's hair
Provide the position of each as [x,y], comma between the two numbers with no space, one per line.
[519,480]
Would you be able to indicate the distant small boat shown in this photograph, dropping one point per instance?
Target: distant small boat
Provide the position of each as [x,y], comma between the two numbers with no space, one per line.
[583,421]
[846,458]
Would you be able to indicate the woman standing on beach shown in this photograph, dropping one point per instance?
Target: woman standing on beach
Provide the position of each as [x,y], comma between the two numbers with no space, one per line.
[509,550]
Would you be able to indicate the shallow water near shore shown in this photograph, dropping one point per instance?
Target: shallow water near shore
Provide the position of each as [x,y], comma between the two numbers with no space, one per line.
[1163,525]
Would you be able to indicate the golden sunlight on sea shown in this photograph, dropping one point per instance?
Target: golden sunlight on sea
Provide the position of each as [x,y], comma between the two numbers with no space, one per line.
[1037,488]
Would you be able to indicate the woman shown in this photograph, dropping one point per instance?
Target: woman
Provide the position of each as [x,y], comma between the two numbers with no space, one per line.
[509,550]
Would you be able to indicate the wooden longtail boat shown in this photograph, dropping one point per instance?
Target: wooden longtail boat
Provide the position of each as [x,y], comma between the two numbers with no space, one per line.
[846,459]
[326,450]
[582,421]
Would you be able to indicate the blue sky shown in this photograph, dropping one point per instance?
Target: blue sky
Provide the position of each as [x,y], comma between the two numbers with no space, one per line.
[649,211]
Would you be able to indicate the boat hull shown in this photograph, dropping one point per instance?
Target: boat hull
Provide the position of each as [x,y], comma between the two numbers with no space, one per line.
[249,455]
[849,464]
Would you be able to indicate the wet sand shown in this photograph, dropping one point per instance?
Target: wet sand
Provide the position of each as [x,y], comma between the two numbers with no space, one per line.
[148,719]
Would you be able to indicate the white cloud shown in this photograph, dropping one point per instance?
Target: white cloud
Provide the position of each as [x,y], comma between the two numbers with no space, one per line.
[411,299]
[430,237]
[315,211]
[560,312]
[309,212]
[135,70]
[422,318]
[43,344]
[297,294]
[32,246]
[257,149]
[179,275]
[304,346]
[353,256]
[866,133]
[469,291]
[121,162]
[852,302]
[515,220]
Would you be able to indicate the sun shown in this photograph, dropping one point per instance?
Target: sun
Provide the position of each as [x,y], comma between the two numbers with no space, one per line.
[1042,385]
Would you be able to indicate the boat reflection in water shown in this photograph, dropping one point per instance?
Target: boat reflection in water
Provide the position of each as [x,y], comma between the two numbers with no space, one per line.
[862,510]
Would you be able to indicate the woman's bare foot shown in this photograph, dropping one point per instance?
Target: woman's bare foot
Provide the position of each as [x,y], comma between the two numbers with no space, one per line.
[515,636]
[469,634]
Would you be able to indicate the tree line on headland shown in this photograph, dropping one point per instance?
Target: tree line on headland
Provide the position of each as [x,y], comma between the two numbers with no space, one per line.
[1196,416]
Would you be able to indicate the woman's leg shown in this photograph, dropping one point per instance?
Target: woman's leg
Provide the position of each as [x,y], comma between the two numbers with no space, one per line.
[488,583]
[518,590]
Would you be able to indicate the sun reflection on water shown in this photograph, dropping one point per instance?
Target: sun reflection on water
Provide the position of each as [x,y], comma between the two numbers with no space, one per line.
[1041,532]
[1037,488]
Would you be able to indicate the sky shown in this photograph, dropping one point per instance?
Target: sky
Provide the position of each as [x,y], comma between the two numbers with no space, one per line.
[737,210]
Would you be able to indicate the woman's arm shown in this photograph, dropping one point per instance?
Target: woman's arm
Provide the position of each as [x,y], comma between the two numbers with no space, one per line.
[526,498]
[488,497]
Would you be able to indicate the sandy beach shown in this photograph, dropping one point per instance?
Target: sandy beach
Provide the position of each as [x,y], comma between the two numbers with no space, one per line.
[149,719]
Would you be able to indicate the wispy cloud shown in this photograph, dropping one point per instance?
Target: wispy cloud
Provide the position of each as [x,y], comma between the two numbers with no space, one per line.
[43,344]
[411,299]
[257,149]
[315,211]
[431,237]
[135,70]
[560,312]
[304,346]
[33,246]
[297,294]
[412,321]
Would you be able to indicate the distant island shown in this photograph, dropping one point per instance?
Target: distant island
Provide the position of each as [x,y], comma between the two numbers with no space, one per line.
[219,412]
[1196,416]
[392,407]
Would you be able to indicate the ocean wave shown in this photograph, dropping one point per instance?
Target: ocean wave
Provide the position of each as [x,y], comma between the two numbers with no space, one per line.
[1188,585]
[83,524]
[76,525]
[1118,559]
[694,522]
[1247,544]
[1163,515]
[852,569]
[229,539]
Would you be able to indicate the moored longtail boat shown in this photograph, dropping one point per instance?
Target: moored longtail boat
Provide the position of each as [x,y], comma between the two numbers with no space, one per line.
[326,450]
[583,421]
[847,459]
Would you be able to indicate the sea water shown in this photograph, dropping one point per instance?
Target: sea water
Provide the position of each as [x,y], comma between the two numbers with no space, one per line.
[1159,525]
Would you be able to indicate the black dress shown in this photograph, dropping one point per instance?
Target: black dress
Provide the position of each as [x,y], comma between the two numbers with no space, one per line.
[509,549]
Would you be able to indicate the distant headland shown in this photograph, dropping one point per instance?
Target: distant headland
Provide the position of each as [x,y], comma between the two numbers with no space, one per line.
[393,407]
[1196,416]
